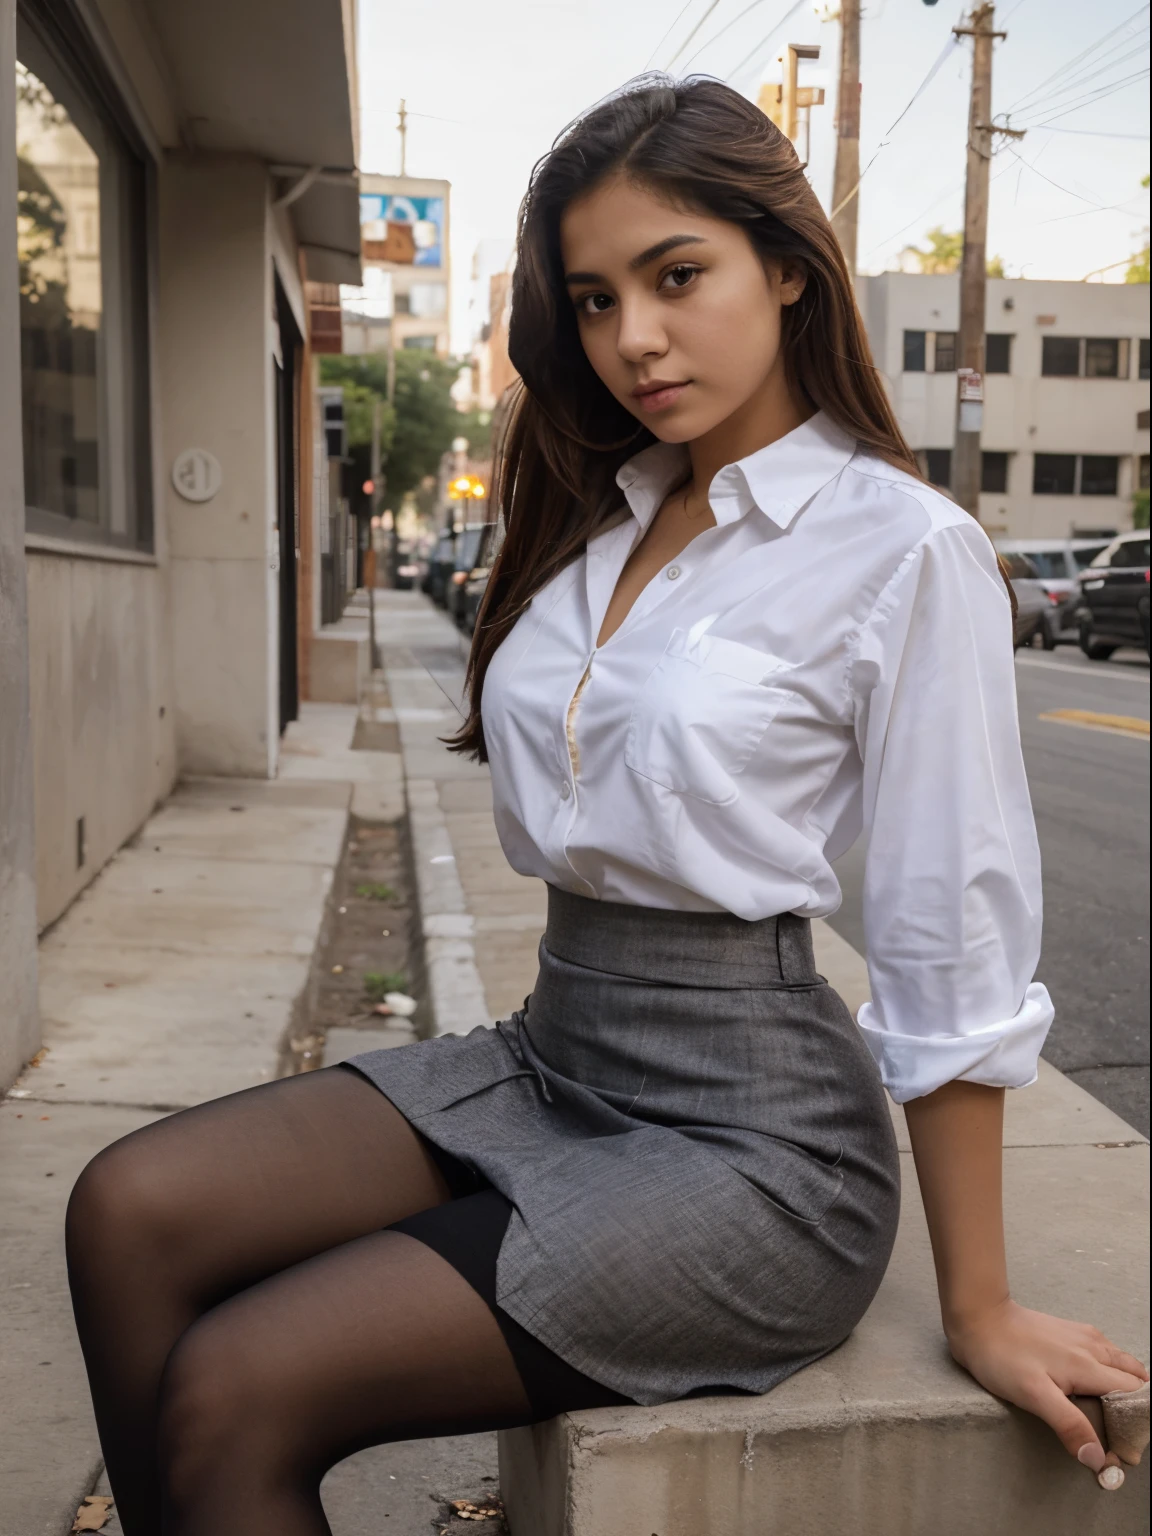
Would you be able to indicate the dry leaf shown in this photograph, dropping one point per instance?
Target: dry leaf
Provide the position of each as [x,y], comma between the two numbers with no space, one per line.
[93,1513]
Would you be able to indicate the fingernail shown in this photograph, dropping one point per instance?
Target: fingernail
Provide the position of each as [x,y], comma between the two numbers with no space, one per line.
[1111,1478]
[1091,1453]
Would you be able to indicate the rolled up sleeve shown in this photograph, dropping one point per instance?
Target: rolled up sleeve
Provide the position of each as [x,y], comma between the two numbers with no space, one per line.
[952,898]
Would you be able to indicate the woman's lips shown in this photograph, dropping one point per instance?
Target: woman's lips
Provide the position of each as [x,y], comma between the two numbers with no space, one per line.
[661,398]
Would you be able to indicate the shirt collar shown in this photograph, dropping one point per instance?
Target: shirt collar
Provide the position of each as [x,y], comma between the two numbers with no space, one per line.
[777,480]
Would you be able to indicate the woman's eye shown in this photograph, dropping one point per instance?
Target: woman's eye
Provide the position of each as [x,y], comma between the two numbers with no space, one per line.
[594,303]
[680,277]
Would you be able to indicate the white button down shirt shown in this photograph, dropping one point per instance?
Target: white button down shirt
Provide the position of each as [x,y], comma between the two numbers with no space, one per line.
[833,657]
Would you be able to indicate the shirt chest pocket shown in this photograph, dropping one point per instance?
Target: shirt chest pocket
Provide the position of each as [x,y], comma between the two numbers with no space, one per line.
[702,713]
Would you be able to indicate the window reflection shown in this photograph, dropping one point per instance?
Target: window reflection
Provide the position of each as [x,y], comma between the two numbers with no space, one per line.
[58,242]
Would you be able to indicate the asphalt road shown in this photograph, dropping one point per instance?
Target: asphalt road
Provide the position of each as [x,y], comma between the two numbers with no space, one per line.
[1090,795]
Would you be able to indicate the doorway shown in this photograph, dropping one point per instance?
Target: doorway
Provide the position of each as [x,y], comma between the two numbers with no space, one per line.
[287,368]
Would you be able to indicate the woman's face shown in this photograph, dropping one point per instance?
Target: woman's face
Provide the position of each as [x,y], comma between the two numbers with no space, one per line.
[679,316]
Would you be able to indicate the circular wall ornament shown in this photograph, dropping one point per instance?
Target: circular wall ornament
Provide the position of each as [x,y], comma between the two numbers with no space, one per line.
[196,474]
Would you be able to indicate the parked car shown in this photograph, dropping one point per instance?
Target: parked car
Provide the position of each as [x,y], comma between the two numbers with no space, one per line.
[474,590]
[407,567]
[441,564]
[1058,563]
[468,546]
[1113,599]
[1032,602]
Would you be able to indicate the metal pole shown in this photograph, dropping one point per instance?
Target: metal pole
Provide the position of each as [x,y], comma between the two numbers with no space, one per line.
[846,177]
[373,649]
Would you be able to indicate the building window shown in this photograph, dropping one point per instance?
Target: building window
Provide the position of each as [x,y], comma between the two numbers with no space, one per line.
[994,473]
[1144,357]
[402,304]
[428,300]
[1071,474]
[1054,474]
[1091,357]
[998,354]
[1142,472]
[915,351]
[420,343]
[1099,474]
[1104,358]
[944,352]
[937,466]
[80,238]
[1060,357]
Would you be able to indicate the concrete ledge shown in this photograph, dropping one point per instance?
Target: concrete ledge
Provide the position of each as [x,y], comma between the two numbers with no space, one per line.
[886,1436]
[337,667]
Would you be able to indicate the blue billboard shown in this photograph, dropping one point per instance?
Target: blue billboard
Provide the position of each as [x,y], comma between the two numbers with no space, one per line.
[394,227]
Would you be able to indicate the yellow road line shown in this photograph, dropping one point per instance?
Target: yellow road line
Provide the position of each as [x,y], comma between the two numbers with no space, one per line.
[1090,720]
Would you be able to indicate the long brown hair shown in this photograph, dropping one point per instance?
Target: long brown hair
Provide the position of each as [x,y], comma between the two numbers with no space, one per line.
[702,145]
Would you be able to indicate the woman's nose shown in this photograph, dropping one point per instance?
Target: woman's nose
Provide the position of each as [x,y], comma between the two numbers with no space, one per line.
[641,333]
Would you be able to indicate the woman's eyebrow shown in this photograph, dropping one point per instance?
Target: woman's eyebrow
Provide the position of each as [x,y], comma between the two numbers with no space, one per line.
[653,253]
[662,247]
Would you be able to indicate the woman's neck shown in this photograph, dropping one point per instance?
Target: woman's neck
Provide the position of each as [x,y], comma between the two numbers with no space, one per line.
[769,414]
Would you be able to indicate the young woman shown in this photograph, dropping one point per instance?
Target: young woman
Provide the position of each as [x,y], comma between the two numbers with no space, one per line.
[730,629]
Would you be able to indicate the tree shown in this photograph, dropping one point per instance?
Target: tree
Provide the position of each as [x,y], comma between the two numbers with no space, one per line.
[420,424]
[944,253]
[1138,267]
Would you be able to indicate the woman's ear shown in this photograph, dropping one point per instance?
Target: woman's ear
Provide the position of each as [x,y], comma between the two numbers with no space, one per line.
[793,281]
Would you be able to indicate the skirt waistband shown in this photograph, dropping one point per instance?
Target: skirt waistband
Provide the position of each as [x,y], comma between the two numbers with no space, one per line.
[693,949]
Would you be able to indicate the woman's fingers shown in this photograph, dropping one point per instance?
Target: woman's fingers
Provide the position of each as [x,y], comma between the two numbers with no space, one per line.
[1093,1378]
[1072,1428]
[1120,1360]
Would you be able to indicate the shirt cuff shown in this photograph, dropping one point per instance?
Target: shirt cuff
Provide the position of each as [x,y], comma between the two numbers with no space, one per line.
[1000,1055]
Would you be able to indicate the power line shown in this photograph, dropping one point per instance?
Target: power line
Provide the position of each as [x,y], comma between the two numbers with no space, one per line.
[1083,54]
[1097,133]
[1093,96]
[683,9]
[727,27]
[952,42]
[692,34]
[767,38]
[1077,82]
[1100,207]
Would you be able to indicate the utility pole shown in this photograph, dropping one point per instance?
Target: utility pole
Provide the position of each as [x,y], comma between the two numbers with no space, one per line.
[403,138]
[966,454]
[373,649]
[846,177]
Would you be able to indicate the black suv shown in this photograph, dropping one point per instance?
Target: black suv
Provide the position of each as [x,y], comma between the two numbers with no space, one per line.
[1113,609]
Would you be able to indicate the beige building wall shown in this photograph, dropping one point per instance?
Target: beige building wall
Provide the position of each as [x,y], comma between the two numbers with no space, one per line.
[215,384]
[1025,413]
[19,1024]
[103,743]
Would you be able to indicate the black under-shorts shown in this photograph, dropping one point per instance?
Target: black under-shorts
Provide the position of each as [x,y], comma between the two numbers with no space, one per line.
[467,1231]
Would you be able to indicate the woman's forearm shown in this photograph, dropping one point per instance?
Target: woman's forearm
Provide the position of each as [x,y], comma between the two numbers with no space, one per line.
[957,1138]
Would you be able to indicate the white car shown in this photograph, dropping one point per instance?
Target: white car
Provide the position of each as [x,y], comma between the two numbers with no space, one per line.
[1056,565]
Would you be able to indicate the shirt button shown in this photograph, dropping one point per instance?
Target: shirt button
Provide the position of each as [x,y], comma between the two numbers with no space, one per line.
[673,572]
[565,791]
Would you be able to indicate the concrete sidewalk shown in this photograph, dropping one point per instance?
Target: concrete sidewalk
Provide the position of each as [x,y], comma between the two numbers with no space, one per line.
[887,1435]
[179,975]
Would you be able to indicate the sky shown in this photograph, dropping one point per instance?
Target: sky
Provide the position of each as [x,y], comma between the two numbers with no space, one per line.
[490,83]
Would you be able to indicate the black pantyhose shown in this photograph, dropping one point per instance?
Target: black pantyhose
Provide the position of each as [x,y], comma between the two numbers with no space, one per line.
[246,1323]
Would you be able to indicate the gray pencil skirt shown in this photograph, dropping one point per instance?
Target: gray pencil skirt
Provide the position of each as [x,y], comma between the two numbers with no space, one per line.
[694,1140]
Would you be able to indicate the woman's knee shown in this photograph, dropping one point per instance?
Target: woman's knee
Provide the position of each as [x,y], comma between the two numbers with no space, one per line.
[124,1202]
[224,1411]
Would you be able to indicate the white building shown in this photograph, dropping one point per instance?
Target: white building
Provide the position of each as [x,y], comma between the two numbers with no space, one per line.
[1066,378]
